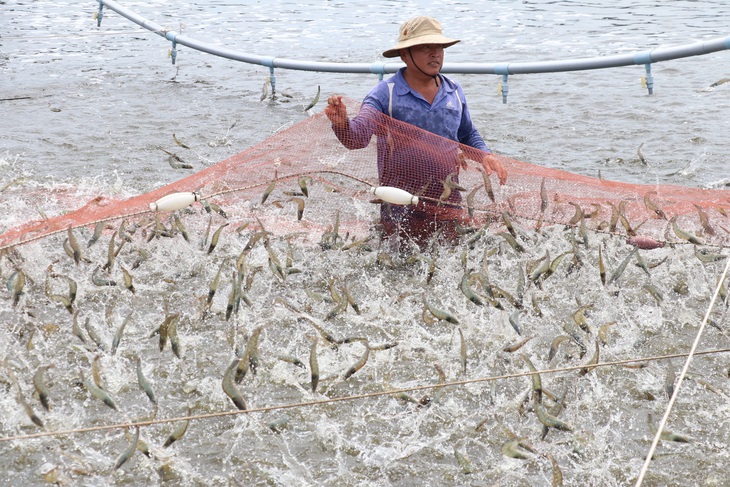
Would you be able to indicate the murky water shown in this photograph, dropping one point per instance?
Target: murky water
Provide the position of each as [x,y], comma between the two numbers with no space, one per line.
[121,99]
[95,107]
[384,440]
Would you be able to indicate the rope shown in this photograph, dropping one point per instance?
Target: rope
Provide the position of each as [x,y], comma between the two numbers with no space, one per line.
[490,211]
[44,235]
[142,212]
[291,176]
[663,422]
[352,398]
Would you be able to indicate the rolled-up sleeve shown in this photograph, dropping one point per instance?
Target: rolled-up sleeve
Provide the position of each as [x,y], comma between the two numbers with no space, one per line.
[361,128]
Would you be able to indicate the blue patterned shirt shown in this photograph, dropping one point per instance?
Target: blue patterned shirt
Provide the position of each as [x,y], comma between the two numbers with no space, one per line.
[448,115]
[407,158]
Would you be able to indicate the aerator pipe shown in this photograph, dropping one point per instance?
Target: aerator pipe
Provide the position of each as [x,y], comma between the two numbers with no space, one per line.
[617,60]
[271,62]
[643,57]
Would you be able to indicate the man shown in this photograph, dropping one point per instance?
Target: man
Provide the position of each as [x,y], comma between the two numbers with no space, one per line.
[423,165]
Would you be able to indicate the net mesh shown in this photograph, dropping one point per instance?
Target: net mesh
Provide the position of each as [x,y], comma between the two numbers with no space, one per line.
[448,177]
[337,307]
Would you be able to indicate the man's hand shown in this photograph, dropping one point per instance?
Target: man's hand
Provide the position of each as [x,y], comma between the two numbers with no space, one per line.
[491,164]
[336,111]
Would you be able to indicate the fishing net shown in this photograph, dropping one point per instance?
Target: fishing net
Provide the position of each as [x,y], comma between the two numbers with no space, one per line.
[337,320]
[338,181]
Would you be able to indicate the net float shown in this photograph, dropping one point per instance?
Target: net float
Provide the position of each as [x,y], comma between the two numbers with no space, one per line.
[174,201]
[393,195]
[645,243]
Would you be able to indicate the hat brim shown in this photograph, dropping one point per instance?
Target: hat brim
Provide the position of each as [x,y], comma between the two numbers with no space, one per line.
[416,41]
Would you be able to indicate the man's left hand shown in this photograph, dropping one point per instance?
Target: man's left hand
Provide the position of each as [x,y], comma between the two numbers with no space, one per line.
[492,164]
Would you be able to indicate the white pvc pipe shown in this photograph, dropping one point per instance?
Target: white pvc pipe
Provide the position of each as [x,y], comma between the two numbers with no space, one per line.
[642,57]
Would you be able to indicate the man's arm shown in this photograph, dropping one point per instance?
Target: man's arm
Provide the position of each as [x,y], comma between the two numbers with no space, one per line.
[355,133]
[469,135]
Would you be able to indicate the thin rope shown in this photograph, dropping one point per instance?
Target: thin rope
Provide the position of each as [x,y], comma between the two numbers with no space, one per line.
[143,212]
[352,398]
[663,422]
[291,176]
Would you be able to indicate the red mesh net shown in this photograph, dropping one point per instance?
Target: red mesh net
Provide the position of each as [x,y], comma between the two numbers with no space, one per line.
[451,184]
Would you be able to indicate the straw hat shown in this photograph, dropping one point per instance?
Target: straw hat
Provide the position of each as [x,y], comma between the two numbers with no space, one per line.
[420,30]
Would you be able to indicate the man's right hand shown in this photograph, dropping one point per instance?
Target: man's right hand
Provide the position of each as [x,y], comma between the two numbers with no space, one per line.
[336,111]
[492,164]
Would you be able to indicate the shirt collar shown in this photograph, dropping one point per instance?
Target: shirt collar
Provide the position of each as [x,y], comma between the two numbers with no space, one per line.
[402,87]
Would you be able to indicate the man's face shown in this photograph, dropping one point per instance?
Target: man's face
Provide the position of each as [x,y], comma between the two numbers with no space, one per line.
[428,57]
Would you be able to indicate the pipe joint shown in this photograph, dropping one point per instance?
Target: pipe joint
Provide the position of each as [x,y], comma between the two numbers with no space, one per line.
[272,80]
[643,57]
[378,68]
[173,52]
[268,61]
[100,14]
[648,80]
[504,88]
[502,68]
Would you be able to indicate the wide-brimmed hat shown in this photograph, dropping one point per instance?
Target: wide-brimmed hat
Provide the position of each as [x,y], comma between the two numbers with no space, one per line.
[420,30]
